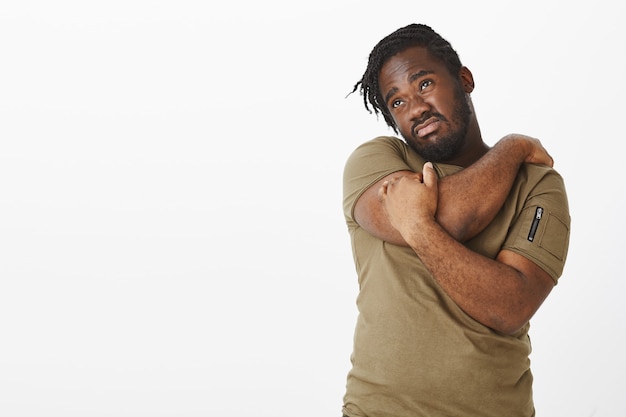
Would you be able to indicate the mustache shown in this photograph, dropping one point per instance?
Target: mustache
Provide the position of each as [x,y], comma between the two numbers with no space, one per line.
[427,116]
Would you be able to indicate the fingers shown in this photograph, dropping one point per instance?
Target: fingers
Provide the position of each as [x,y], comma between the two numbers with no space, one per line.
[384,188]
[539,154]
[394,181]
[382,191]
[430,176]
[550,159]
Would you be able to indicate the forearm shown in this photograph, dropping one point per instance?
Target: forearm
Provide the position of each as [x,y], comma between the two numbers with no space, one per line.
[502,294]
[489,291]
[470,199]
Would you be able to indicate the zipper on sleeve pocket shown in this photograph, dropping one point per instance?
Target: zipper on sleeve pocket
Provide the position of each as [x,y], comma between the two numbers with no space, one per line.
[535,223]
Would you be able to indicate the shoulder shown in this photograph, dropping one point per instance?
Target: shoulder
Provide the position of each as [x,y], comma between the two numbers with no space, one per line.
[381,143]
[384,151]
[371,161]
[536,173]
[544,181]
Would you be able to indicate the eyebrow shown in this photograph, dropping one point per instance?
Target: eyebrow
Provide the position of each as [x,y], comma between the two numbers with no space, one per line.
[390,93]
[419,74]
[412,78]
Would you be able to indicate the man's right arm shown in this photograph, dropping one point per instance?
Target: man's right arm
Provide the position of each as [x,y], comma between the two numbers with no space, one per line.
[464,209]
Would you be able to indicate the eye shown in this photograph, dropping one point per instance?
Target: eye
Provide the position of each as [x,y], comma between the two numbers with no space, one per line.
[425,84]
[396,103]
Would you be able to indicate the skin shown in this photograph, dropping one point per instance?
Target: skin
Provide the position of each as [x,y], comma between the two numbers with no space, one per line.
[433,217]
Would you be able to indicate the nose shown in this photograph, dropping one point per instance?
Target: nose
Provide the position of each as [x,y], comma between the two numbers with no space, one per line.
[418,106]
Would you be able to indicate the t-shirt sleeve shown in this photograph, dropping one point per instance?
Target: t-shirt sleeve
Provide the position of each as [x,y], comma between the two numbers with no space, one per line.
[370,162]
[541,231]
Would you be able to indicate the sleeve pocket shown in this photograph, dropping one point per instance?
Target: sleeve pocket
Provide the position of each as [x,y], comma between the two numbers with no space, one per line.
[554,236]
[545,241]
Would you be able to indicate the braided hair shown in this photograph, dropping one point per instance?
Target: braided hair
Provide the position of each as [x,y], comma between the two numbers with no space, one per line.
[396,42]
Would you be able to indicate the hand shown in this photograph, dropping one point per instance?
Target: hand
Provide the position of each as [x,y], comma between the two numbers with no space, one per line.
[536,153]
[410,200]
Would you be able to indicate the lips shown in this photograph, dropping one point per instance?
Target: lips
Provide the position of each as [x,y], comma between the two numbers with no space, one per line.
[428,127]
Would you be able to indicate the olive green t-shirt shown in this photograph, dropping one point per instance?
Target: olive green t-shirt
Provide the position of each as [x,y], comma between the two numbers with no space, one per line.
[416,353]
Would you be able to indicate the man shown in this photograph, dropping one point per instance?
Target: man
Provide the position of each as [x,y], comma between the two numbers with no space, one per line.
[456,244]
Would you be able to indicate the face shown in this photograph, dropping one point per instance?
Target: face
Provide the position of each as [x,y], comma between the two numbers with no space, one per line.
[427,103]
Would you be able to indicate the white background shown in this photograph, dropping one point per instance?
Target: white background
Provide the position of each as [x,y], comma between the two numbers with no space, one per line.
[171,231]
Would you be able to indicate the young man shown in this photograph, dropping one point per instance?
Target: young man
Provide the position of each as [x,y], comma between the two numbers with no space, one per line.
[456,244]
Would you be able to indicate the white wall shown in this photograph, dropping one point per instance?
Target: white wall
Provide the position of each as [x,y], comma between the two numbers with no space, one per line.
[171,231]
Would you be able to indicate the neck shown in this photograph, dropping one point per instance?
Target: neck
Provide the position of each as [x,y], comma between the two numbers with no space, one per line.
[474,148]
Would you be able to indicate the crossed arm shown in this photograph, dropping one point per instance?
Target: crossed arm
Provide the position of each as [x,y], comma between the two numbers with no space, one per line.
[433,217]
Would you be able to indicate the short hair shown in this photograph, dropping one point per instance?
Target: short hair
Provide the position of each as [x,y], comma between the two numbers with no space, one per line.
[394,43]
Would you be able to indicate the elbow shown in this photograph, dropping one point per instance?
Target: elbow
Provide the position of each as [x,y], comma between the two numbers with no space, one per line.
[460,227]
[459,231]
[508,324]
[508,329]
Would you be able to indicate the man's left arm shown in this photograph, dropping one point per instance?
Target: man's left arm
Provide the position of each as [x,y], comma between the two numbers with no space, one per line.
[502,293]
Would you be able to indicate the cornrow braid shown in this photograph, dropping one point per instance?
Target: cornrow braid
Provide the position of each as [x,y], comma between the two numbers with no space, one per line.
[396,42]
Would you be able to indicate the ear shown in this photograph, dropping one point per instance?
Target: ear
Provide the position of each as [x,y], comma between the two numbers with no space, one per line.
[467,79]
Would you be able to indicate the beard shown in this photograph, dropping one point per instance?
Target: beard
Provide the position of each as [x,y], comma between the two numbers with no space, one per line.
[445,147]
